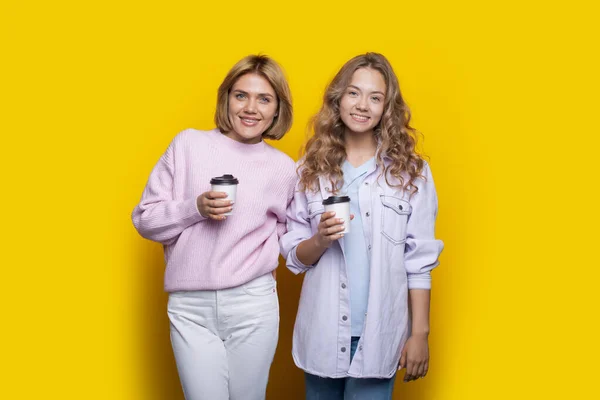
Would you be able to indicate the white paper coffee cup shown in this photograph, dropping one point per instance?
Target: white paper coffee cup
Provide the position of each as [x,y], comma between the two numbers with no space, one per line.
[227,184]
[341,206]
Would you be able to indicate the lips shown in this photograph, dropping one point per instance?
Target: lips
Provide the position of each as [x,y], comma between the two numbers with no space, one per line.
[249,121]
[359,118]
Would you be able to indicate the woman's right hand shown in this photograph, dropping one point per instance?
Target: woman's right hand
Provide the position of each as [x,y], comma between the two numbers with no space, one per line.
[211,205]
[329,229]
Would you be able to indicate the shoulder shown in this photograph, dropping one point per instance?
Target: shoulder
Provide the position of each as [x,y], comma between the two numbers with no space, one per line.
[426,175]
[281,160]
[426,168]
[425,185]
[193,143]
[420,182]
[191,135]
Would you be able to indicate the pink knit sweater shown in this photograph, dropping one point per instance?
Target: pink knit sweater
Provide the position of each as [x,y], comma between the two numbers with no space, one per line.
[203,254]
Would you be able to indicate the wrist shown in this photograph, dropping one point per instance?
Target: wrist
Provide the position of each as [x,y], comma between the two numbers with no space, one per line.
[423,333]
[317,243]
[199,205]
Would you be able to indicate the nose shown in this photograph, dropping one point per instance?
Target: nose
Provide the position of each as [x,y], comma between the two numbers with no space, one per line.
[362,104]
[250,106]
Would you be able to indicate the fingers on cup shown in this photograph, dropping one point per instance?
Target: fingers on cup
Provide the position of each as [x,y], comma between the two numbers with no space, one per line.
[334,221]
[334,230]
[221,211]
[327,215]
[220,203]
[216,195]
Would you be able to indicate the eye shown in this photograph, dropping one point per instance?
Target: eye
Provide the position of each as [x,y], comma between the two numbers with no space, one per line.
[376,99]
[240,96]
[353,93]
[265,100]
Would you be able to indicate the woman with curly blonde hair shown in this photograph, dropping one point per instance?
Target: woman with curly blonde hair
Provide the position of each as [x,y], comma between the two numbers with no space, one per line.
[364,306]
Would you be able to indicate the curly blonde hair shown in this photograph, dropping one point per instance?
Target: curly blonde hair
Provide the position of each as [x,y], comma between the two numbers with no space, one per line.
[325,151]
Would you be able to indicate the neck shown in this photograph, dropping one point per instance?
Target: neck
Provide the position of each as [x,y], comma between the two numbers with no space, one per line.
[360,147]
[234,135]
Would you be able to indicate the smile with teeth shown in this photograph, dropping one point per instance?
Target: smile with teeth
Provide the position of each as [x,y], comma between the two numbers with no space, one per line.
[249,121]
[359,118]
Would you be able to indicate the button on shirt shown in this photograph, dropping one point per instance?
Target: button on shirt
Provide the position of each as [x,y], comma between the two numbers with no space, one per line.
[356,246]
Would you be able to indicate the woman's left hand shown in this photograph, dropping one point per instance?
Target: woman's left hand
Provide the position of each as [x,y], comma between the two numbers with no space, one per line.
[415,357]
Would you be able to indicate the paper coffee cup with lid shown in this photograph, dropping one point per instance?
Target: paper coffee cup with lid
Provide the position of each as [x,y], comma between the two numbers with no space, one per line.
[226,183]
[341,206]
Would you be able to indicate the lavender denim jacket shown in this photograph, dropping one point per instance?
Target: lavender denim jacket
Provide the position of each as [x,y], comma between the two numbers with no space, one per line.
[399,232]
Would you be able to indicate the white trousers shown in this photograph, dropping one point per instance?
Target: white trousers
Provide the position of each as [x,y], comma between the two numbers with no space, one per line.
[224,341]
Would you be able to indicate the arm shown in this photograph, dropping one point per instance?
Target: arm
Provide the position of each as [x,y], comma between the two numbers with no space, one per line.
[421,256]
[299,246]
[422,249]
[282,218]
[158,216]
[298,230]
[310,250]
[419,310]
[415,355]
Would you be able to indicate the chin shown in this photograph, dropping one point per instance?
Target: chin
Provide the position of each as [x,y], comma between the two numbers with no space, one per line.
[360,128]
[248,134]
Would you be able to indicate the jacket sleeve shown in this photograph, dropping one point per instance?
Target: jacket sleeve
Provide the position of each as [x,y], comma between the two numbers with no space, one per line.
[422,249]
[298,230]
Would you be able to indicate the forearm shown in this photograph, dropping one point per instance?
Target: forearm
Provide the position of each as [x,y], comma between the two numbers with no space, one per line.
[419,306]
[163,220]
[309,251]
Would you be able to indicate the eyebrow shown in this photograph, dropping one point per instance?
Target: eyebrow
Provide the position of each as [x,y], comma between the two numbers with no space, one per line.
[357,88]
[259,94]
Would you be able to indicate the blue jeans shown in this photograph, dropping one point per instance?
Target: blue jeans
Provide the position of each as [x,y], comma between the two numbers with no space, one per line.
[318,388]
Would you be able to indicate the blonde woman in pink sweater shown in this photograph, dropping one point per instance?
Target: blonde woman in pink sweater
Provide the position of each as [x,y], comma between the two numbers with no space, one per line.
[223,305]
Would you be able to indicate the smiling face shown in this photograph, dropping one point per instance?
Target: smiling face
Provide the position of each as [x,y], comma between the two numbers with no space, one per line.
[252,107]
[362,104]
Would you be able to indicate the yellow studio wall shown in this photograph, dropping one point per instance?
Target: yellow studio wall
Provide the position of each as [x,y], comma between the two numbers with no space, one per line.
[505,93]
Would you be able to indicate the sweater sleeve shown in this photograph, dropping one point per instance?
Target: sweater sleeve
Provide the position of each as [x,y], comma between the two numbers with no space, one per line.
[158,216]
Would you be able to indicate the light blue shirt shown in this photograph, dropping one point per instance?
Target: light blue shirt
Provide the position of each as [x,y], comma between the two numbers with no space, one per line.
[400,230]
[355,247]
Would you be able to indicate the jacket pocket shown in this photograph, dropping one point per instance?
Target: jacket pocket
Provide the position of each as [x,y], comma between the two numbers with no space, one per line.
[394,218]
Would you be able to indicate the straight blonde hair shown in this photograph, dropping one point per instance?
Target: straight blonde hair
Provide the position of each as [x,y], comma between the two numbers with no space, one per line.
[273,73]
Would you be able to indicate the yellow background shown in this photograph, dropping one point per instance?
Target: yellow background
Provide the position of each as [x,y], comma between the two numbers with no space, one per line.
[505,93]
